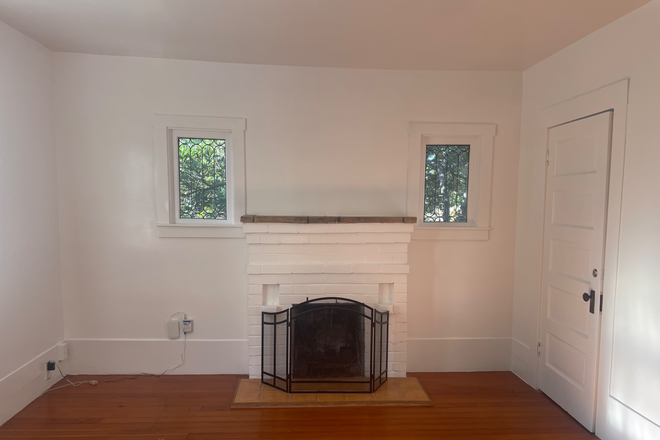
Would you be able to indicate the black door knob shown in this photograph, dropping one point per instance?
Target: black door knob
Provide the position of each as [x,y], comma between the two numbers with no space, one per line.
[591,299]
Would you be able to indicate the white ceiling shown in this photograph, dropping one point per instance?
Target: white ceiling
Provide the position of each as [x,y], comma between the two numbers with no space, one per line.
[379,34]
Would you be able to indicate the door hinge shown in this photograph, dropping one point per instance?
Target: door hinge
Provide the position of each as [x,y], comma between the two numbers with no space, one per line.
[538,350]
[547,157]
[601,303]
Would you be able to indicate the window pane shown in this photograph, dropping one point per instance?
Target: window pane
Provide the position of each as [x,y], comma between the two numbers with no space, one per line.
[446,183]
[202,178]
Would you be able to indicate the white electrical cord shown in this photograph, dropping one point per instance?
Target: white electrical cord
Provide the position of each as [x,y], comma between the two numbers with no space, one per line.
[183,356]
[70,384]
[174,314]
[95,382]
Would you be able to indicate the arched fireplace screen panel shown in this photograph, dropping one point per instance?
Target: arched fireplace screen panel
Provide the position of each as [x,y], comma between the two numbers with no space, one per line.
[328,345]
[275,349]
[381,340]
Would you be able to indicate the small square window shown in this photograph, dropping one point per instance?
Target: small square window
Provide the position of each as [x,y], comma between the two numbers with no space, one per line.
[446,183]
[202,189]
[200,176]
[449,180]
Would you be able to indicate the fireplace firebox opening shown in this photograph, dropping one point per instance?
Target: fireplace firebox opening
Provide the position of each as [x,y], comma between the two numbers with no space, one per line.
[325,345]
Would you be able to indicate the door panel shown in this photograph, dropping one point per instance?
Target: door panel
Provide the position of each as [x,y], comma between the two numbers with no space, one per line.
[568,259]
[576,201]
[565,308]
[573,208]
[576,157]
[566,360]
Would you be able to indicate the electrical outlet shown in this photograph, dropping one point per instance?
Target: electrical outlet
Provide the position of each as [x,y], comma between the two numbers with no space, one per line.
[50,366]
[187,325]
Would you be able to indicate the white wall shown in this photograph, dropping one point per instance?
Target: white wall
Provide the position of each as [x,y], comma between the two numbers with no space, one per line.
[319,141]
[627,48]
[30,290]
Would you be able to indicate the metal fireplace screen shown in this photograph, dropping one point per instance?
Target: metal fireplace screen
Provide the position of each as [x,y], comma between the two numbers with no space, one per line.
[325,345]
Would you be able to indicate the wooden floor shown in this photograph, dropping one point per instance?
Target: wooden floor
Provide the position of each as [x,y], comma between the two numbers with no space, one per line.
[482,406]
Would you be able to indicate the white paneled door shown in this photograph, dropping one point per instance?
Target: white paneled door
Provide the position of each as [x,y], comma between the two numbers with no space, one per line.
[573,256]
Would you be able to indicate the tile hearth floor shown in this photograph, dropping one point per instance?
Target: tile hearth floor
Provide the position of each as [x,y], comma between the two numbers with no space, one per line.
[251,393]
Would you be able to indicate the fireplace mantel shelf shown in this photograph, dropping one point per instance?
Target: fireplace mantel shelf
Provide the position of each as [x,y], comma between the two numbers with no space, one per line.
[312,219]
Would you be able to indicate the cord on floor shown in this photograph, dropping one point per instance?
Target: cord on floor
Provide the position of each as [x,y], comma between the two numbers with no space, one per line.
[95,382]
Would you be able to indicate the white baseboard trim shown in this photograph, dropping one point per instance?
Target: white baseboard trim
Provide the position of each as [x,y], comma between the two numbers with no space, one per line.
[133,356]
[26,383]
[524,362]
[459,354]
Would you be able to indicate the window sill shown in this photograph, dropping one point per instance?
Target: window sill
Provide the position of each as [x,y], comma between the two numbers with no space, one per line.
[451,233]
[168,230]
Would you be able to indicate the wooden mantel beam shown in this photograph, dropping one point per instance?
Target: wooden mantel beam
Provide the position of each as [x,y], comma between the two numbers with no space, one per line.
[321,219]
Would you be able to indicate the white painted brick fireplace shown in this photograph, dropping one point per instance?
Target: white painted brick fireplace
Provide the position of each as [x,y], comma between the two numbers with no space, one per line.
[366,262]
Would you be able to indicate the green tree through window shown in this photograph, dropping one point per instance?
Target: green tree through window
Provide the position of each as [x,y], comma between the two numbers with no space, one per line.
[202,179]
[446,183]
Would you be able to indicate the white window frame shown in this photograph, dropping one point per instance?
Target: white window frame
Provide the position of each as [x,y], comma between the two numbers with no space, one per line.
[166,131]
[480,138]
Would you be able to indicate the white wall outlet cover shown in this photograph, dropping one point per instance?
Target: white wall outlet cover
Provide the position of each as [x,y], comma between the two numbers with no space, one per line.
[173,329]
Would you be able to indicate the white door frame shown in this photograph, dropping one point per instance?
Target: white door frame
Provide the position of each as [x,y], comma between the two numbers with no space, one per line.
[612,97]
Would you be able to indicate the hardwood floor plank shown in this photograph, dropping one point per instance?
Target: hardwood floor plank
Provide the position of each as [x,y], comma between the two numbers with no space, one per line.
[482,406]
